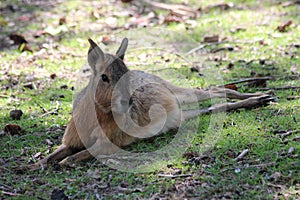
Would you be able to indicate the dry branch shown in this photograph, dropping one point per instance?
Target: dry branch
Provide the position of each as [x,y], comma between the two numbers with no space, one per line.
[249,80]
[251,166]
[280,88]
[177,9]
[287,133]
[175,175]
[202,46]
[244,152]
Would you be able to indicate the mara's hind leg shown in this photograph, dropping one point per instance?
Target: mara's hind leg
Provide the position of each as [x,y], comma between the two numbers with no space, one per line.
[251,102]
[232,94]
[189,96]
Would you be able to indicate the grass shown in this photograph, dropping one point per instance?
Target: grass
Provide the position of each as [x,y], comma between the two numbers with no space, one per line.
[270,170]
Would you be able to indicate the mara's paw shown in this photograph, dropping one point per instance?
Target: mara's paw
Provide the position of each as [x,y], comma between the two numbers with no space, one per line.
[67,162]
[259,101]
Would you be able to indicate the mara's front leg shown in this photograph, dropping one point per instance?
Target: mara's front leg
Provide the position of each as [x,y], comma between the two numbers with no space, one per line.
[98,149]
[60,153]
[103,146]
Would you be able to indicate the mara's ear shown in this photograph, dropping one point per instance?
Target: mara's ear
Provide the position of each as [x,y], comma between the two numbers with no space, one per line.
[122,49]
[95,54]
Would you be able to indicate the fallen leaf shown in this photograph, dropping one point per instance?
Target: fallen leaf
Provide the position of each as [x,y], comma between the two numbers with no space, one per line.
[294,69]
[106,39]
[189,155]
[172,17]
[221,6]
[236,30]
[62,21]
[275,176]
[29,85]
[17,38]
[141,21]
[262,42]
[37,155]
[111,21]
[49,142]
[39,33]
[12,129]
[95,15]
[55,31]
[211,39]
[291,150]
[237,170]
[231,87]
[3,22]
[24,47]
[283,27]
[24,18]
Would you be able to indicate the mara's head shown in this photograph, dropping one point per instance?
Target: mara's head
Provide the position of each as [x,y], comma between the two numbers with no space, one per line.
[107,70]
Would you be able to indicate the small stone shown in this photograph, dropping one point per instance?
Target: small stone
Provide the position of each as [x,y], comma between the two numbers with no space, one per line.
[53,76]
[64,87]
[230,65]
[16,114]
[58,194]
[12,129]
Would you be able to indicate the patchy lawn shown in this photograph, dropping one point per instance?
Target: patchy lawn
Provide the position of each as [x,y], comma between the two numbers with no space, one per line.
[43,63]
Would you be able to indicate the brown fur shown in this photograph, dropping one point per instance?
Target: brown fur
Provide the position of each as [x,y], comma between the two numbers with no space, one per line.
[103,120]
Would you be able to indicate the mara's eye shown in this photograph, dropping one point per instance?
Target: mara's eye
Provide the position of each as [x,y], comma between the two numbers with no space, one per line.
[104,78]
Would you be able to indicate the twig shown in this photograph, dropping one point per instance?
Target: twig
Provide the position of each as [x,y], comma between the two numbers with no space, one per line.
[178,9]
[5,168]
[164,69]
[251,166]
[297,138]
[202,46]
[174,176]
[293,97]
[272,185]
[289,3]
[52,111]
[262,165]
[277,186]
[244,152]
[4,96]
[129,189]
[289,133]
[249,80]
[10,193]
[280,88]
